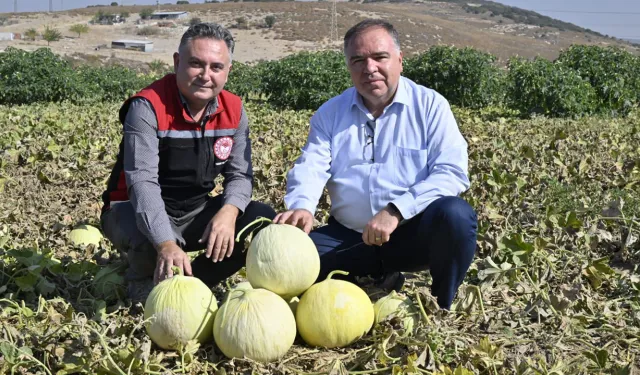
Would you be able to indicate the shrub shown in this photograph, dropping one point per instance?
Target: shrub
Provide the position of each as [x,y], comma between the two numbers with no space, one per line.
[466,77]
[194,21]
[149,30]
[51,34]
[244,79]
[39,76]
[542,87]
[79,29]
[146,13]
[613,72]
[42,76]
[270,21]
[31,34]
[305,80]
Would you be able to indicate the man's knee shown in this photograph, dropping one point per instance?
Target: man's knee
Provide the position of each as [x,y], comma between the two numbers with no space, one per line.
[256,209]
[454,211]
[119,226]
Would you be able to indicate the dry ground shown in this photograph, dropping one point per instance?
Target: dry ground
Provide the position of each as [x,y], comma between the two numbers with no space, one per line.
[300,26]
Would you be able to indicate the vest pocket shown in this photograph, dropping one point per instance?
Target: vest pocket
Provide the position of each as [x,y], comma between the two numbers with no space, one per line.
[179,158]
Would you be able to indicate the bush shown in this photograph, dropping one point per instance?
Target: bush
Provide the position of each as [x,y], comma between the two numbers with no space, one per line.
[148,30]
[51,34]
[146,13]
[112,83]
[613,72]
[466,77]
[79,28]
[542,87]
[244,79]
[305,80]
[39,76]
[270,21]
[194,21]
[42,76]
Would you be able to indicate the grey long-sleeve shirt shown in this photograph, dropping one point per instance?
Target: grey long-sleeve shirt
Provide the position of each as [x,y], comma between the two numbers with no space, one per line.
[141,169]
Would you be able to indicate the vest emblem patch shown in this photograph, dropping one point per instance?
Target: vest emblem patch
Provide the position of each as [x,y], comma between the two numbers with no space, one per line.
[222,147]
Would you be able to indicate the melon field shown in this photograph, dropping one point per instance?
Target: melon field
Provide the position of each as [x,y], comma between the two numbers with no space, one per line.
[554,287]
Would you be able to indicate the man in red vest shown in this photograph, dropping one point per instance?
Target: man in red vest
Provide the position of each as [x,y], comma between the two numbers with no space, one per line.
[179,134]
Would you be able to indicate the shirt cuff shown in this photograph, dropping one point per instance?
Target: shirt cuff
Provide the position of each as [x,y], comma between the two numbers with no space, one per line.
[406,204]
[304,205]
[240,202]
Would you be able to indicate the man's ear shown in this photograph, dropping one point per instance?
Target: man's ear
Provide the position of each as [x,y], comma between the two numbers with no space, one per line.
[176,61]
[401,59]
[230,69]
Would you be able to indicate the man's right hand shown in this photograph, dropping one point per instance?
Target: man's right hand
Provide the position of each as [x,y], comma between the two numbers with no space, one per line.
[300,218]
[169,255]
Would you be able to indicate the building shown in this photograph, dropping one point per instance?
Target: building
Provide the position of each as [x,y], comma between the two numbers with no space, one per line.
[7,36]
[108,19]
[133,45]
[169,15]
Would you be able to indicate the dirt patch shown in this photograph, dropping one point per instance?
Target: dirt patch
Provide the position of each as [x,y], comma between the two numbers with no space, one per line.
[299,26]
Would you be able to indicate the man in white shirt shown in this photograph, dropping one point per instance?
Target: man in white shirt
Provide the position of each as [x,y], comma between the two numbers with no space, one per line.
[394,162]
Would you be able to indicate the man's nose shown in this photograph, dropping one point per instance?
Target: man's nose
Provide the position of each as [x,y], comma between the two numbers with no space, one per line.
[370,66]
[207,73]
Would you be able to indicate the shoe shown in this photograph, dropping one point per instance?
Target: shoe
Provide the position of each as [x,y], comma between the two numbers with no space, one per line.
[139,290]
[393,281]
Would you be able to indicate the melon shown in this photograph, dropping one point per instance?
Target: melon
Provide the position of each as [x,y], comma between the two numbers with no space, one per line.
[396,305]
[180,309]
[256,324]
[334,313]
[85,235]
[283,259]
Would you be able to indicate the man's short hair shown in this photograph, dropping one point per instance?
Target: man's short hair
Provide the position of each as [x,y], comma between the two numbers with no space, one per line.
[208,30]
[367,24]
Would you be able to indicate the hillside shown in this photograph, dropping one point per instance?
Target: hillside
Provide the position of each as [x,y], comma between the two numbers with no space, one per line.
[306,26]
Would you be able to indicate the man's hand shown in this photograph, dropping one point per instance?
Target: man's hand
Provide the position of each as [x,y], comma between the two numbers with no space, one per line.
[169,255]
[378,230]
[220,232]
[300,218]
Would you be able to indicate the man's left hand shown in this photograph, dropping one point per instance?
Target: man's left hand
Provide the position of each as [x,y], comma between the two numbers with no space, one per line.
[378,230]
[220,232]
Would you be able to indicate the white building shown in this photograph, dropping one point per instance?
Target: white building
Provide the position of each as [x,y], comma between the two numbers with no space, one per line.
[134,45]
[169,15]
[7,36]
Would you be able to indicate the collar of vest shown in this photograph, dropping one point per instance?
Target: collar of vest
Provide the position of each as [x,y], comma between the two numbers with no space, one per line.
[185,107]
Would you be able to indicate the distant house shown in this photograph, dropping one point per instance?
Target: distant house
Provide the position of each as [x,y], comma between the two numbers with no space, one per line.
[134,45]
[108,19]
[169,15]
[7,36]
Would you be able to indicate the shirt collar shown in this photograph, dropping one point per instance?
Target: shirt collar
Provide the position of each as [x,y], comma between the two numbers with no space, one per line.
[401,97]
[212,106]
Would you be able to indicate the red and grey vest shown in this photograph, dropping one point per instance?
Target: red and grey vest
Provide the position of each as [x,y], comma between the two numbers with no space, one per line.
[190,155]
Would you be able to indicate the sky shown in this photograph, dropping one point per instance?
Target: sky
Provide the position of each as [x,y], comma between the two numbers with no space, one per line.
[619,18]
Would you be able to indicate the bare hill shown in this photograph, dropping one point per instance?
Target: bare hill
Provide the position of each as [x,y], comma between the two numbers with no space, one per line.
[306,26]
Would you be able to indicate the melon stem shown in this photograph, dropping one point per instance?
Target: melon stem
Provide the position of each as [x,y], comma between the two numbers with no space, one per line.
[258,220]
[336,271]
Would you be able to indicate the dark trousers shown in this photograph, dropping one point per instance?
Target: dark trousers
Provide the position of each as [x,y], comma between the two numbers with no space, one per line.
[442,239]
[119,225]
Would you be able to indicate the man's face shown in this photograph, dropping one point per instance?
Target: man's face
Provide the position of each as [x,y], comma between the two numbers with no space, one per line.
[375,65]
[202,68]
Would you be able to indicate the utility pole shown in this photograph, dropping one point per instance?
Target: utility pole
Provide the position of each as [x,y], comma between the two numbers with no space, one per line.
[15,6]
[50,6]
[334,22]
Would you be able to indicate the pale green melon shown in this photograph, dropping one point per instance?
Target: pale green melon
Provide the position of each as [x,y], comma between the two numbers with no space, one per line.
[181,308]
